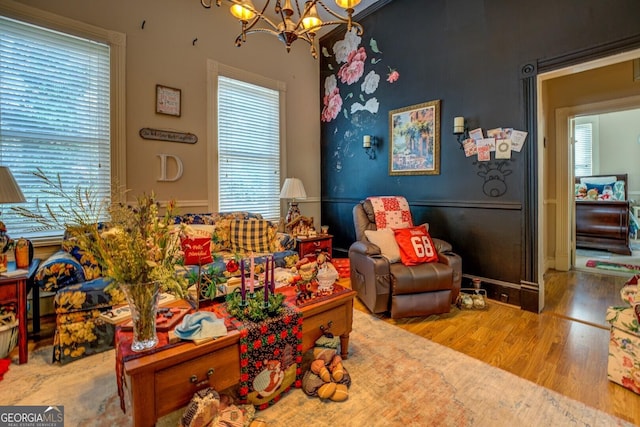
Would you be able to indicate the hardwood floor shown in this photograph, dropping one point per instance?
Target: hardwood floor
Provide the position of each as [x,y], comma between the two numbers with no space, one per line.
[564,348]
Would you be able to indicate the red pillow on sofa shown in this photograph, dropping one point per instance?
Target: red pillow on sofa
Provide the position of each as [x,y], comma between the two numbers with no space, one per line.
[416,246]
[197,250]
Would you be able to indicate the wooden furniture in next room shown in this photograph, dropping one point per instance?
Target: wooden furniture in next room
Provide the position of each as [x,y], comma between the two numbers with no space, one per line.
[603,224]
[165,380]
[13,289]
[312,245]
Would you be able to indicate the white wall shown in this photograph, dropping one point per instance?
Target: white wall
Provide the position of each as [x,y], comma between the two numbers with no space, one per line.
[163,52]
[620,147]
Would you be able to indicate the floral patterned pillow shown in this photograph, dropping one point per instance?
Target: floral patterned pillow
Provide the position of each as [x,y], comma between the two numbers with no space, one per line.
[59,270]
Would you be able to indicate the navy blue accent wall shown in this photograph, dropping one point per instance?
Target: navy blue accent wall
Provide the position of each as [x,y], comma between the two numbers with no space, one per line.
[470,54]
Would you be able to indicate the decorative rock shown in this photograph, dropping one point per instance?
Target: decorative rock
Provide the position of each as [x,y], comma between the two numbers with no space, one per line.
[325,374]
[316,366]
[327,390]
[341,394]
[337,373]
[325,354]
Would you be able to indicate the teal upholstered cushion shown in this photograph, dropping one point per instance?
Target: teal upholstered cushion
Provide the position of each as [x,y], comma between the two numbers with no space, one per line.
[618,190]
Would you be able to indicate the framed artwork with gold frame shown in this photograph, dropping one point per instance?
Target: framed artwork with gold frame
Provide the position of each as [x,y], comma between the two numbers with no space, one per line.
[414,135]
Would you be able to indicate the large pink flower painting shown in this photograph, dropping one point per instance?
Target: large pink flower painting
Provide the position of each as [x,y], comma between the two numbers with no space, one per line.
[332,105]
[352,59]
[351,72]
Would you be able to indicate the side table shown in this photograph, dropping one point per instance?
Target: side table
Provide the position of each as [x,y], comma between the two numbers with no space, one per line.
[13,289]
[312,245]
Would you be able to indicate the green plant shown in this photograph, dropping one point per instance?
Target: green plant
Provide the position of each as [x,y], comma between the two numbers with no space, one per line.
[254,309]
[134,245]
[207,279]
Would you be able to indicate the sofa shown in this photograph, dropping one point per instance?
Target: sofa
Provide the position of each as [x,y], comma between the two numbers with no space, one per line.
[385,284]
[82,296]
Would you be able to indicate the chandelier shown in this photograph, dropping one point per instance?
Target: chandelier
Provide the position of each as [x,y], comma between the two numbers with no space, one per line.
[290,24]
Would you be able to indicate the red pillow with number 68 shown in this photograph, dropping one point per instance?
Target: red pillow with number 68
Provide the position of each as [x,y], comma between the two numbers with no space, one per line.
[416,246]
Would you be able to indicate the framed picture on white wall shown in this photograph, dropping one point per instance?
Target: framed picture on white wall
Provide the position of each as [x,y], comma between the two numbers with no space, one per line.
[168,100]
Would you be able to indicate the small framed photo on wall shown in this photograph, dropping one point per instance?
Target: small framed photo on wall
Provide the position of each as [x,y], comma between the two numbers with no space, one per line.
[168,100]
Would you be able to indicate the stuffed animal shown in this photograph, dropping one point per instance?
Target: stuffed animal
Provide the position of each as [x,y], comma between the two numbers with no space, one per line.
[592,194]
[326,377]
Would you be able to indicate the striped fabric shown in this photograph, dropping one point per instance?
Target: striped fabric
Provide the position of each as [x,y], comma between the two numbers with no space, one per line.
[251,235]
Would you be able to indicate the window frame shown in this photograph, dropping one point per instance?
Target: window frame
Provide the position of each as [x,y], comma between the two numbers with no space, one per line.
[592,120]
[214,70]
[117,43]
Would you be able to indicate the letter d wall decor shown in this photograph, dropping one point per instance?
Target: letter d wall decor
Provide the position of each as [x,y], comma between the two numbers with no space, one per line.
[163,168]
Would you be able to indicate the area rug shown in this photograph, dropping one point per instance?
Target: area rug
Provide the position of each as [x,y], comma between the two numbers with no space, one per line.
[613,266]
[398,379]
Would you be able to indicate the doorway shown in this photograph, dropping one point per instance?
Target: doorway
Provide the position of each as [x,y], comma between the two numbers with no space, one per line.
[606,143]
[587,92]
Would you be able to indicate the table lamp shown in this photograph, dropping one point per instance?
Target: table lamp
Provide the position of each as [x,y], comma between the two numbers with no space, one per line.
[9,193]
[292,189]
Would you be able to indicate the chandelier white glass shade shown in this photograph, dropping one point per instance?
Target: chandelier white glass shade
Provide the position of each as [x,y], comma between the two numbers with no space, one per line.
[291,23]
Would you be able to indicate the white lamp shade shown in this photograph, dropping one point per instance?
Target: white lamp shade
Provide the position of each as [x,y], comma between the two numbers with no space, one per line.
[293,189]
[9,190]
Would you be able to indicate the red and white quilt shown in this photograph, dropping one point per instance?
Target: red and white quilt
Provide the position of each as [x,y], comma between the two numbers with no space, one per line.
[391,212]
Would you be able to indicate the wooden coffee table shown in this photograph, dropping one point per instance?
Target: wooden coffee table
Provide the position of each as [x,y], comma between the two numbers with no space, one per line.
[161,382]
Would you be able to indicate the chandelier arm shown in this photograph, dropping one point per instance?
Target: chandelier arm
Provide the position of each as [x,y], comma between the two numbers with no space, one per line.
[301,36]
[335,14]
[259,30]
[359,28]
[206,5]
[299,27]
[259,14]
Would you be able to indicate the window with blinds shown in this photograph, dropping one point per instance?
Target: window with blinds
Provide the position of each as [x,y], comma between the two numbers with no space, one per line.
[54,115]
[248,147]
[583,149]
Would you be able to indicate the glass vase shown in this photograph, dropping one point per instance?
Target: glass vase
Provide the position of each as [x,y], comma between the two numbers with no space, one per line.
[143,303]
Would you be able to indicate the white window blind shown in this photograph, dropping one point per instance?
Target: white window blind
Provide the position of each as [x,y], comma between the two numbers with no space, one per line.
[583,149]
[248,148]
[54,115]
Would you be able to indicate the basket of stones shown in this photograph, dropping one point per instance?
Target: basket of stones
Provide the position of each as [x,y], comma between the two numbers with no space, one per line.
[471,298]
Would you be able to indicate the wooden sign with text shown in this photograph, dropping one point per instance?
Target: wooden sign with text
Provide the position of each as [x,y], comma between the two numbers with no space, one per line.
[166,135]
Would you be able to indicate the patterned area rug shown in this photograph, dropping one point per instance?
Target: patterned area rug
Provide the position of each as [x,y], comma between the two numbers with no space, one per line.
[613,266]
[398,379]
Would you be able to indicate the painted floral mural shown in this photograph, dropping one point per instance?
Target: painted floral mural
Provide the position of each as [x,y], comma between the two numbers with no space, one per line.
[355,74]
[353,61]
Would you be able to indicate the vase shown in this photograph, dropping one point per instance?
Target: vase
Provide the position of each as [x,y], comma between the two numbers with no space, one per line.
[23,253]
[143,303]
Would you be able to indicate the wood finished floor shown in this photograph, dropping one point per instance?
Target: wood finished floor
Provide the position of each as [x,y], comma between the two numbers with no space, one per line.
[564,348]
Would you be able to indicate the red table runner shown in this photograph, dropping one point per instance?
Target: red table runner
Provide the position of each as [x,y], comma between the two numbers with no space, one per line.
[270,357]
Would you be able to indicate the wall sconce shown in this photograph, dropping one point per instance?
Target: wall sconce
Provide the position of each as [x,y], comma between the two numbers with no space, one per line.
[369,143]
[459,130]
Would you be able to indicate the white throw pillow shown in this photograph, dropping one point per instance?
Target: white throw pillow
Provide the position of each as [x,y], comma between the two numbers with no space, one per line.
[385,239]
[598,180]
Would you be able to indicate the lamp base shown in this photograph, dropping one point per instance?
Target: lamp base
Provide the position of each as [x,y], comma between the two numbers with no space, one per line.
[293,212]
